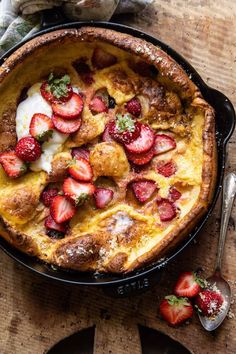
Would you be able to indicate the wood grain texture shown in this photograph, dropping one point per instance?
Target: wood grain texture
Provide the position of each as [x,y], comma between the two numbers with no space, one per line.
[36,313]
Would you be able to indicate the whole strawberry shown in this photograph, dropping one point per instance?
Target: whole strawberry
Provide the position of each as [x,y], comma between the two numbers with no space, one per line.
[124,129]
[28,149]
[176,310]
[209,302]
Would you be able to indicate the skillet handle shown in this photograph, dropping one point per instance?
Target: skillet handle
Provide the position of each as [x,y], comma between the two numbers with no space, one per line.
[134,287]
[53,17]
[226,113]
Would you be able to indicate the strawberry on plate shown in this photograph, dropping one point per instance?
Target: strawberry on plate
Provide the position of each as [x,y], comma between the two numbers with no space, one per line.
[174,194]
[134,107]
[77,191]
[176,310]
[140,159]
[188,284]
[66,126]
[102,59]
[166,209]
[62,209]
[163,143]
[97,105]
[80,152]
[41,127]
[143,143]
[12,164]
[103,197]
[28,149]
[124,128]
[209,302]
[143,189]
[70,109]
[48,194]
[51,224]
[166,168]
[56,89]
[80,169]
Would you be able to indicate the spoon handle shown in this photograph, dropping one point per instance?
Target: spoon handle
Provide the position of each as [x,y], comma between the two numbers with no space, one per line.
[228,195]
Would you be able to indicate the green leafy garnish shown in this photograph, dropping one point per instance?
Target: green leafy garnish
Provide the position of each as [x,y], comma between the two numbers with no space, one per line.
[81,199]
[174,300]
[45,136]
[58,86]
[125,123]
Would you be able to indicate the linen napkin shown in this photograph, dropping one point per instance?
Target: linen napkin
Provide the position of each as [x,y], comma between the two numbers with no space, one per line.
[19,19]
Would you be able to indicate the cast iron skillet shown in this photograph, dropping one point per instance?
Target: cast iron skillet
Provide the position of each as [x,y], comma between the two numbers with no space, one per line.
[142,279]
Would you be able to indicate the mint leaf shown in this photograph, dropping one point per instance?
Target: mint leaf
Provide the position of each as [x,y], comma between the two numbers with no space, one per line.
[125,123]
[58,86]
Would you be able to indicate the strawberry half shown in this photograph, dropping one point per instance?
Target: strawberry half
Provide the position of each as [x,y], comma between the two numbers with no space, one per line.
[80,152]
[103,197]
[41,127]
[188,284]
[47,195]
[143,143]
[176,310]
[143,189]
[12,164]
[28,149]
[62,209]
[124,128]
[66,126]
[70,109]
[56,89]
[80,169]
[174,194]
[140,159]
[166,209]
[77,191]
[51,224]
[209,302]
[163,143]
[166,169]
[134,107]
[102,59]
[97,105]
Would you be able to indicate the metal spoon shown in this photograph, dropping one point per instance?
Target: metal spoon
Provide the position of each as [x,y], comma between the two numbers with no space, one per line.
[216,280]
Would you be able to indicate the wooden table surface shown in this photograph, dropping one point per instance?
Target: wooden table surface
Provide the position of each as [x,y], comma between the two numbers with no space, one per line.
[35,313]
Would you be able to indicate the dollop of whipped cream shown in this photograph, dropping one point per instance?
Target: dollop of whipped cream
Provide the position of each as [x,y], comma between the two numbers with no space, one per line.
[35,103]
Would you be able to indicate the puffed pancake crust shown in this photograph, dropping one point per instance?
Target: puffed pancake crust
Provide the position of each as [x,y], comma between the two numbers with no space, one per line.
[156,188]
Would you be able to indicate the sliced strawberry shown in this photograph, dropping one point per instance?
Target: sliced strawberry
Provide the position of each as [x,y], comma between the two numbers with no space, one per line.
[163,143]
[140,159]
[12,164]
[143,143]
[28,149]
[66,126]
[166,169]
[84,71]
[62,209]
[176,310]
[102,59]
[70,109]
[103,197]
[209,302]
[80,169]
[77,191]
[106,135]
[41,127]
[80,152]
[188,284]
[97,105]
[144,69]
[143,189]
[56,89]
[47,195]
[124,128]
[51,224]
[166,209]
[134,107]
[174,194]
